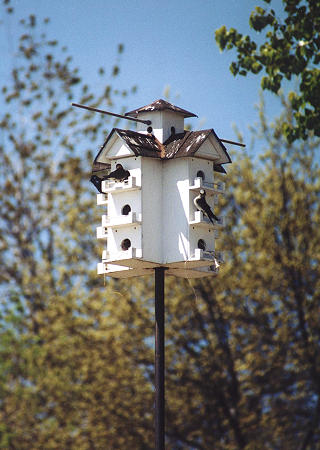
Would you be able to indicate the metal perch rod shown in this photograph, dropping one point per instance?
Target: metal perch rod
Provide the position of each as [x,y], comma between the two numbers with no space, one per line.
[232,142]
[147,122]
[90,108]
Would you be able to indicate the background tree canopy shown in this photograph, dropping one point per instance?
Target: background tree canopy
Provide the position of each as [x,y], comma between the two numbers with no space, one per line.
[290,50]
[76,357]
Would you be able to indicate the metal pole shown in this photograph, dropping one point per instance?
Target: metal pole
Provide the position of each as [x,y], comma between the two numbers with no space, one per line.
[159,358]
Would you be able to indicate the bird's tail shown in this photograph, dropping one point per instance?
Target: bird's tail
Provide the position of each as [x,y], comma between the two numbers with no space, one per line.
[213,216]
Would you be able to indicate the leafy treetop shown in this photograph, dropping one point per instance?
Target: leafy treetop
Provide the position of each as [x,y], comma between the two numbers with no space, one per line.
[291,46]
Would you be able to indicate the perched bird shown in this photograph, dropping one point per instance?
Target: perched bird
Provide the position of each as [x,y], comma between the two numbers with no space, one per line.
[202,205]
[120,174]
[97,182]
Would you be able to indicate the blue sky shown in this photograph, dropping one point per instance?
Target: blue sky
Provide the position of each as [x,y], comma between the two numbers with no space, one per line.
[168,43]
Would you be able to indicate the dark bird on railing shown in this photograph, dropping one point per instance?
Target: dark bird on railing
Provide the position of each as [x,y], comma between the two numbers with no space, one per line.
[96,181]
[202,205]
[120,174]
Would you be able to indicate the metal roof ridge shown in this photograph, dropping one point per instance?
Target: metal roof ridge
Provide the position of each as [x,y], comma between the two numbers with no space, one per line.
[161,105]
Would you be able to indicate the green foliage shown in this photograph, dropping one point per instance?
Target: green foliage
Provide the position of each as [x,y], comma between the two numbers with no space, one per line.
[243,348]
[61,345]
[291,47]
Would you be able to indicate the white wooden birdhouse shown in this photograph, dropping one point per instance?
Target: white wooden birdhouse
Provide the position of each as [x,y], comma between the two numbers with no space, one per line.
[155,174]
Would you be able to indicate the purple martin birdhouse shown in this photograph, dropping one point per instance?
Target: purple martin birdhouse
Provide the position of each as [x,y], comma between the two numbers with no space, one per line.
[160,186]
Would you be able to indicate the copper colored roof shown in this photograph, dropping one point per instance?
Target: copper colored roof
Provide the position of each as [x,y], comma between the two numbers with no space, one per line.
[188,143]
[160,105]
[141,144]
[176,146]
[185,144]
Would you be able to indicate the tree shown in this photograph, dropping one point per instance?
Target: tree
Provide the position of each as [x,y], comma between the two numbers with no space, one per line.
[290,49]
[243,363]
[69,368]
[76,357]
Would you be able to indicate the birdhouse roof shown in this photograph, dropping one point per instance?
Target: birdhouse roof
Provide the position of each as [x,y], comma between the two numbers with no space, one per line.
[189,142]
[180,145]
[160,105]
[141,144]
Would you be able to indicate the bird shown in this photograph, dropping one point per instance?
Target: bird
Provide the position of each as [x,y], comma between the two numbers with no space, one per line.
[202,205]
[120,174]
[97,182]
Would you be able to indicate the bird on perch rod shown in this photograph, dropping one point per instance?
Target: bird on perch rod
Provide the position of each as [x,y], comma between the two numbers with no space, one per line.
[202,205]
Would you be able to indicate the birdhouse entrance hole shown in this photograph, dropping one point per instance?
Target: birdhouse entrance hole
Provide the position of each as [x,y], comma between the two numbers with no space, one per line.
[201,244]
[125,244]
[125,210]
[200,174]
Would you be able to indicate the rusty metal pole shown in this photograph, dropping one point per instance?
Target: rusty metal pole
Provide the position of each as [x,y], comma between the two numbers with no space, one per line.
[159,358]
